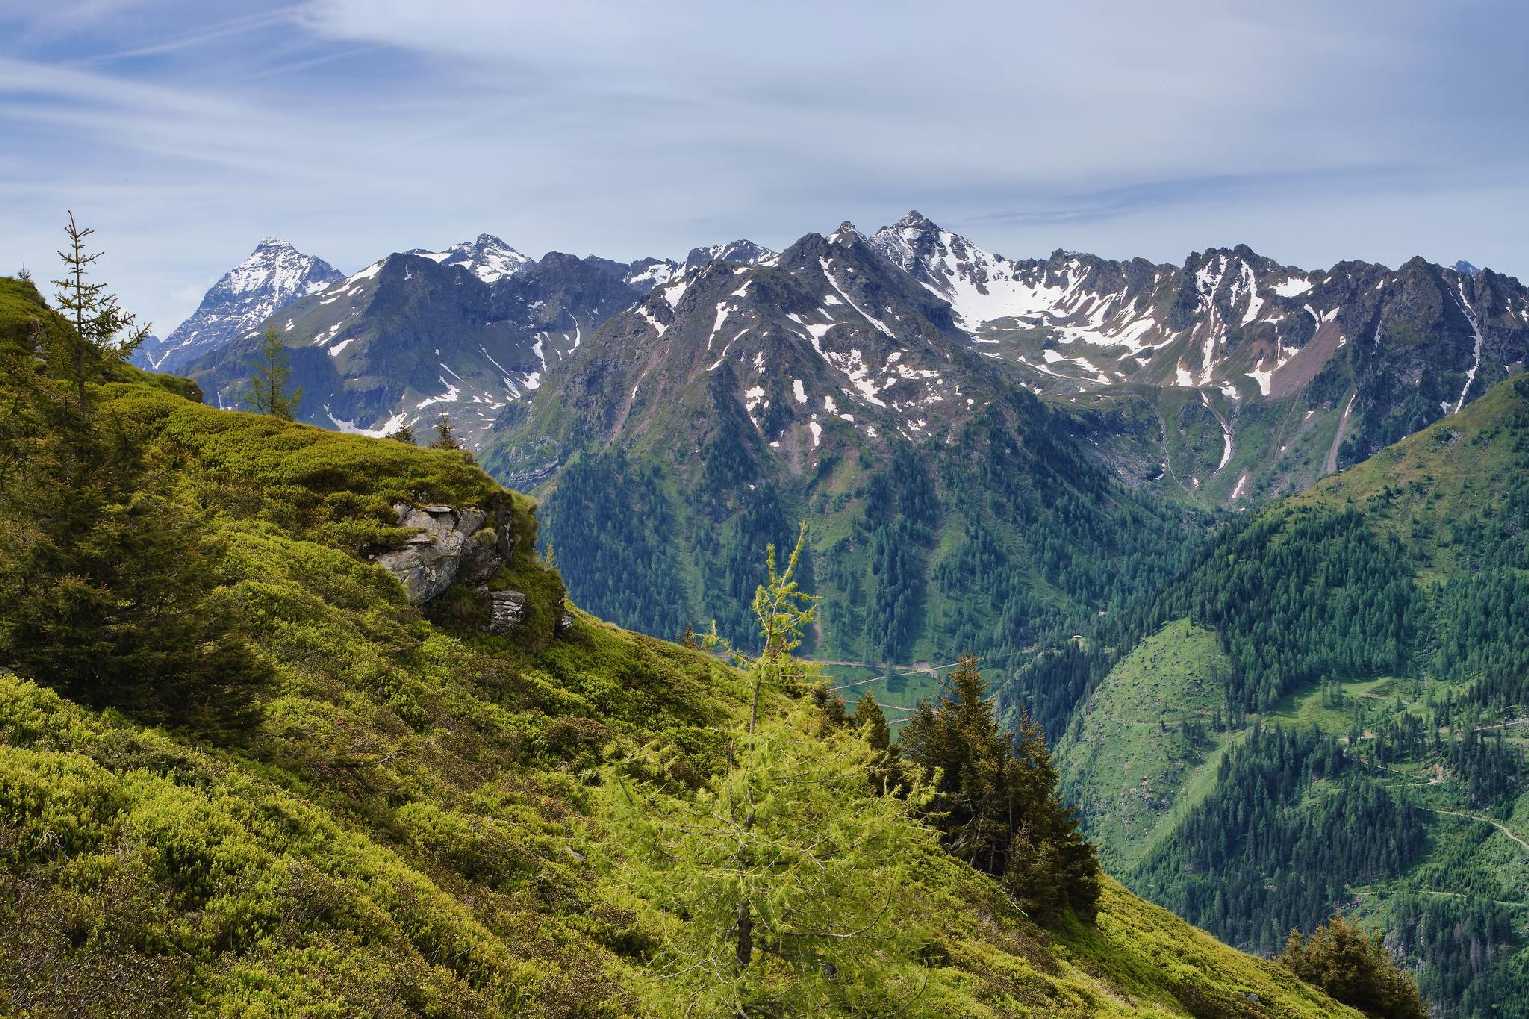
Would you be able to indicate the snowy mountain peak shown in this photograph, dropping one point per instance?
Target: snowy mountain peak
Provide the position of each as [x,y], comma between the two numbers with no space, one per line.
[486,257]
[979,285]
[741,251]
[844,234]
[917,221]
[274,275]
[273,266]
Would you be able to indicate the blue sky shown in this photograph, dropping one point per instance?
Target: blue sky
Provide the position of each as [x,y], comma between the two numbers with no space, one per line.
[187,131]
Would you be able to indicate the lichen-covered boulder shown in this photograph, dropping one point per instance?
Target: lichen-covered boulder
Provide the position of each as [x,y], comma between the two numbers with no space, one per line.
[444,549]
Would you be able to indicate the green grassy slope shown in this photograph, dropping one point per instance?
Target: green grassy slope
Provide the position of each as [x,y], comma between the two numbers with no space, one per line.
[412,822]
[1140,737]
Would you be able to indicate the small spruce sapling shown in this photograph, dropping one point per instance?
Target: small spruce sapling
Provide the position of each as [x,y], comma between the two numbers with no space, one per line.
[104,335]
[445,435]
[784,612]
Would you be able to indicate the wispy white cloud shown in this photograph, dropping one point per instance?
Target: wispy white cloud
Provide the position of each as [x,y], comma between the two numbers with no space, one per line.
[237,26]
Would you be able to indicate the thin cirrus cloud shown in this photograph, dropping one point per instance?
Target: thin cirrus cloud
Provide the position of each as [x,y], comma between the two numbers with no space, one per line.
[353,127]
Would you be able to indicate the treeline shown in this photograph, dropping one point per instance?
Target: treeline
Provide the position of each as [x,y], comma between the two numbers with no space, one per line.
[1036,520]
[610,527]
[1292,823]
[1051,684]
[1482,628]
[1459,943]
[617,530]
[1489,769]
[1299,596]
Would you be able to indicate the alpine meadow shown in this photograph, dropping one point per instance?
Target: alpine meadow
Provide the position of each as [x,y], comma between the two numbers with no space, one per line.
[725,614]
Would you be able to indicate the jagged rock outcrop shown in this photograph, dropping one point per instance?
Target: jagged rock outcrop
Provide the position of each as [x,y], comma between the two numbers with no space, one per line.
[452,544]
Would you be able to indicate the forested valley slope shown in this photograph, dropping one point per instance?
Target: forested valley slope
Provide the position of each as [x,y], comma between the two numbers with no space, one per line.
[1328,711]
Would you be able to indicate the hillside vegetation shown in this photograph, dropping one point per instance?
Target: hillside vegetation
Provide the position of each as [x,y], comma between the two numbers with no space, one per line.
[1328,711]
[406,816]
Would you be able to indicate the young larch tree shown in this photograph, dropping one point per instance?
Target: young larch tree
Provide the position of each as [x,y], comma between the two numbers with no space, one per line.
[103,333]
[267,391]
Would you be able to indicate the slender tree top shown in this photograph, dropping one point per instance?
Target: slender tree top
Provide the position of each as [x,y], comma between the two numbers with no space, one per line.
[96,315]
[783,609]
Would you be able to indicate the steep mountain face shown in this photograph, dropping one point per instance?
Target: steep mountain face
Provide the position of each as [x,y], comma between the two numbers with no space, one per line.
[274,276]
[1326,711]
[1260,377]
[951,508]
[824,333]
[467,332]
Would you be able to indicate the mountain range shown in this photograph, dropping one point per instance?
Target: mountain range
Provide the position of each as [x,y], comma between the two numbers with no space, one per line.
[828,378]
[1227,378]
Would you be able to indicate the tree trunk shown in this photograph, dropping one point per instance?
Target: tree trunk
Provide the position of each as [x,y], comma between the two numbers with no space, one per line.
[754,709]
[745,951]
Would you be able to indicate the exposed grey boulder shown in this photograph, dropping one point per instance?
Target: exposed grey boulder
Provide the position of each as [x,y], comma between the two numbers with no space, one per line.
[507,610]
[447,546]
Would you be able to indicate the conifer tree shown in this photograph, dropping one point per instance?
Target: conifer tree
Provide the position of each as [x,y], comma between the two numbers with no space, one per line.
[870,719]
[1355,969]
[267,392]
[109,588]
[1048,852]
[996,799]
[103,333]
[784,612]
[825,872]
[788,878]
[445,434]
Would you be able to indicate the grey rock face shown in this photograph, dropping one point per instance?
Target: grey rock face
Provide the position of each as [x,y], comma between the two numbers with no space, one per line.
[506,610]
[445,548]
